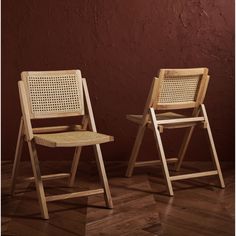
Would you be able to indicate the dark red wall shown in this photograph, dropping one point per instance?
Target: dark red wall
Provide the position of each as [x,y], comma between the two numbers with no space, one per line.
[119,46]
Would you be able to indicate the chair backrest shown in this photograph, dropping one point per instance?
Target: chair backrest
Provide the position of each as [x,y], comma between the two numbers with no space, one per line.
[53,93]
[180,88]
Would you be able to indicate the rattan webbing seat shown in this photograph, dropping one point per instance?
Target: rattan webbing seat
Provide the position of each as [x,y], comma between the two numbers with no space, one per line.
[175,89]
[58,94]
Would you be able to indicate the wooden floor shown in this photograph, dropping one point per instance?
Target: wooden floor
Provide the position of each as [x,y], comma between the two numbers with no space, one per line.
[141,206]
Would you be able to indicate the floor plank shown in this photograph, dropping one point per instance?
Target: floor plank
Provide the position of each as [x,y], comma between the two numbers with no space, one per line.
[141,204]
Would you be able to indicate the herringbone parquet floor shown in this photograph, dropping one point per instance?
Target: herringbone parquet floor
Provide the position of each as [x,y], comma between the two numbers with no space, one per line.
[141,206]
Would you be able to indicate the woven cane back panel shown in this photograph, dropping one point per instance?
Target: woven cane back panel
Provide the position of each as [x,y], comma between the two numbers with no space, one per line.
[179,89]
[55,94]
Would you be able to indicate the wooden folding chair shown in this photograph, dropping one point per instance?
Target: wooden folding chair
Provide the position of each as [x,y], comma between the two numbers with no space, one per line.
[175,89]
[51,94]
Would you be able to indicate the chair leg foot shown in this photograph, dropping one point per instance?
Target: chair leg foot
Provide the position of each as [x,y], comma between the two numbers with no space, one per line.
[127,175]
[109,204]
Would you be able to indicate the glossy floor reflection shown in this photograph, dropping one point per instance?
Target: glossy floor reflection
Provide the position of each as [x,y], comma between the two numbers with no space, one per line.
[142,206]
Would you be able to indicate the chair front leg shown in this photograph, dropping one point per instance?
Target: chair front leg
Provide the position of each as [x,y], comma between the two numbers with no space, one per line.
[213,148]
[38,180]
[103,176]
[77,154]
[74,166]
[161,150]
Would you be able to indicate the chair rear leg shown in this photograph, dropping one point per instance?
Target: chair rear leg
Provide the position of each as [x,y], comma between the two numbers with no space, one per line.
[74,166]
[38,180]
[135,151]
[18,152]
[184,147]
[162,153]
[213,149]
[103,176]
[77,154]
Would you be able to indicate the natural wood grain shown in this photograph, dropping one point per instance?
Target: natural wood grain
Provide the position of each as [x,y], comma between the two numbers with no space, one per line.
[213,148]
[56,94]
[63,128]
[157,162]
[38,180]
[194,175]
[199,208]
[72,139]
[19,146]
[162,153]
[175,89]
[97,149]
[74,195]
[77,154]
[46,177]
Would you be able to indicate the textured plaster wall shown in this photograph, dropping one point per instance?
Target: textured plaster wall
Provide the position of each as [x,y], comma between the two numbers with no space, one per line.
[119,46]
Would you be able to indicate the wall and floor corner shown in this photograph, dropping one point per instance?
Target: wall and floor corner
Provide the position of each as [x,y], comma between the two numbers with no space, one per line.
[119,47]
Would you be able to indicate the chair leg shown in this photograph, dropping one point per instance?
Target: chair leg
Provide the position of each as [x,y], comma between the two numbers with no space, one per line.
[38,180]
[184,147]
[74,166]
[77,154]
[162,153]
[135,151]
[213,149]
[18,152]
[103,176]
[215,157]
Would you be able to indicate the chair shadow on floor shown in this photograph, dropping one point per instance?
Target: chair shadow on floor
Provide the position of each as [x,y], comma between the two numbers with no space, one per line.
[22,212]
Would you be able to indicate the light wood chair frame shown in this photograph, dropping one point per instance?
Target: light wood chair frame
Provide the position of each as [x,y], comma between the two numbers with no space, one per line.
[149,120]
[26,133]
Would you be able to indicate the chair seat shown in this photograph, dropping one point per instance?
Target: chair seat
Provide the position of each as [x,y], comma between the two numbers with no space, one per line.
[72,139]
[162,116]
